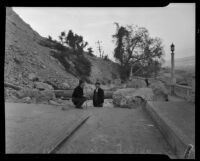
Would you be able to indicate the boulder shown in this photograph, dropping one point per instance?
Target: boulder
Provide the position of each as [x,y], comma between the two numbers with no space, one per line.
[65,85]
[27,100]
[10,93]
[136,83]
[27,93]
[43,86]
[132,97]
[36,95]
[33,77]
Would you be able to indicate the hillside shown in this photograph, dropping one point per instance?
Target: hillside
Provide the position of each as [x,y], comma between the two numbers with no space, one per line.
[25,55]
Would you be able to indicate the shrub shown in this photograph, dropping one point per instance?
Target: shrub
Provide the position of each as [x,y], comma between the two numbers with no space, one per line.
[61,59]
[83,66]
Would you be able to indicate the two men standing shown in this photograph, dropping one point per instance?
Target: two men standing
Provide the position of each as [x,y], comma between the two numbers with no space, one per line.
[78,99]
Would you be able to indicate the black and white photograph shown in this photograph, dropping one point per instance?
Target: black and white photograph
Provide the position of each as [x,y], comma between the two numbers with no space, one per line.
[100,80]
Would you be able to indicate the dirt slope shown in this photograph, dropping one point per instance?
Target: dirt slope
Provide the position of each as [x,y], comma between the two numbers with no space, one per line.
[24,55]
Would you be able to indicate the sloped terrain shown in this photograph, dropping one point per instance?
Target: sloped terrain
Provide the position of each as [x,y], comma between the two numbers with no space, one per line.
[25,55]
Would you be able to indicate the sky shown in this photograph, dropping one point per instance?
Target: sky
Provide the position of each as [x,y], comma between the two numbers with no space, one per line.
[173,23]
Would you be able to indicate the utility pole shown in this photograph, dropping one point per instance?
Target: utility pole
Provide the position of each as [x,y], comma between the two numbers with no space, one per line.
[99,47]
[173,79]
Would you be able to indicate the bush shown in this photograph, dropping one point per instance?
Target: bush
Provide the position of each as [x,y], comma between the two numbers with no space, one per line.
[86,79]
[61,59]
[91,54]
[83,66]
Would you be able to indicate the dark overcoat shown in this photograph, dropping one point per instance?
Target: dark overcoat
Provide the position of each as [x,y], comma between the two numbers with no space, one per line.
[98,97]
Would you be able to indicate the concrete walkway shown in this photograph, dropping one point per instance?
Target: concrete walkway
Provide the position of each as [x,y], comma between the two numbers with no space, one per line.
[118,131]
[32,128]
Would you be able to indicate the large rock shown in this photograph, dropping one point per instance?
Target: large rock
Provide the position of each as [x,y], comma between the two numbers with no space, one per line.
[136,83]
[27,93]
[33,77]
[132,97]
[45,96]
[36,95]
[43,86]
[26,100]
[65,85]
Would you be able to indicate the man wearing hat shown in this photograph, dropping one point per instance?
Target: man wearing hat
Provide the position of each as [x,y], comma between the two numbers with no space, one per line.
[77,97]
[98,96]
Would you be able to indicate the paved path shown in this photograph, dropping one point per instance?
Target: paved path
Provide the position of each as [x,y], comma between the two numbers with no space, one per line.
[31,128]
[117,130]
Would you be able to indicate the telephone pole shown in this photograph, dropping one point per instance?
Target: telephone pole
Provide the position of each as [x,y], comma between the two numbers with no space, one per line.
[99,47]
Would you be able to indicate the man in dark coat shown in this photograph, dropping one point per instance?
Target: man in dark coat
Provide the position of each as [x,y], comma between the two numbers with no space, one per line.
[77,97]
[147,82]
[98,96]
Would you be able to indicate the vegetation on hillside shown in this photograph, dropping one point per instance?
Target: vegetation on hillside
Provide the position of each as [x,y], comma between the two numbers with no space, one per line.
[70,49]
[135,50]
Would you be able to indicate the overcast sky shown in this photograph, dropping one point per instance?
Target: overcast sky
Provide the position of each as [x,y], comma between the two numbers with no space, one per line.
[174,23]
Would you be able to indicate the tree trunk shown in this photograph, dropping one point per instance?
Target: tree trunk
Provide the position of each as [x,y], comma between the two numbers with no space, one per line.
[131,73]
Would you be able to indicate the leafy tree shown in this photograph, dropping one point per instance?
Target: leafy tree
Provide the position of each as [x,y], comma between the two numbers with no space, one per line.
[106,58]
[90,51]
[80,44]
[49,38]
[121,33]
[75,41]
[70,39]
[133,45]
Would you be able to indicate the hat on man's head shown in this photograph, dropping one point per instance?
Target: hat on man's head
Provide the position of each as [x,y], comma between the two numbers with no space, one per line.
[97,82]
[81,81]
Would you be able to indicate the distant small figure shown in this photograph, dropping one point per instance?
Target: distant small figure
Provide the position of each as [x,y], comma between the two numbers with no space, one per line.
[98,96]
[77,97]
[147,82]
[166,98]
